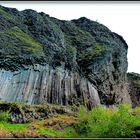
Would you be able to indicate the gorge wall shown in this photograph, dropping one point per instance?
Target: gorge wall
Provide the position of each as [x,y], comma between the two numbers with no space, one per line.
[44,59]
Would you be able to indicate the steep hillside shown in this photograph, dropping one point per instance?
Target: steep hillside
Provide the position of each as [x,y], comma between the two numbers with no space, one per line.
[44,59]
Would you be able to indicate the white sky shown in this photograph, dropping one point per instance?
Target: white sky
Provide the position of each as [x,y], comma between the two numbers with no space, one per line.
[120,17]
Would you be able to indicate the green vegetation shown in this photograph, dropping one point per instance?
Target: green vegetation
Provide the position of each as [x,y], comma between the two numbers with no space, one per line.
[57,126]
[83,36]
[4,115]
[100,122]
[14,127]
[48,127]
[75,36]
[30,45]
[136,83]
[103,122]
[15,40]
[5,14]
[94,51]
[71,49]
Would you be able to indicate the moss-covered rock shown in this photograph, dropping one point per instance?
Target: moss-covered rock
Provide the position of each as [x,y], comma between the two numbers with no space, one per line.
[24,113]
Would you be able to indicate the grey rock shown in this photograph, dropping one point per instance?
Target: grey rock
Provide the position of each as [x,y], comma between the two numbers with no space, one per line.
[41,84]
[134,88]
[44,59]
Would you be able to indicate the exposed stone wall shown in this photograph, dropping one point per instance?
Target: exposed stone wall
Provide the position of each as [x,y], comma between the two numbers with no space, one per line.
[44,84]
[76,61]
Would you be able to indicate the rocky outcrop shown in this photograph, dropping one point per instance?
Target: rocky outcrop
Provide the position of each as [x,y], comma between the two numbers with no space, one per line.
[25,113]
[44,84]
[43,59]
[134,88]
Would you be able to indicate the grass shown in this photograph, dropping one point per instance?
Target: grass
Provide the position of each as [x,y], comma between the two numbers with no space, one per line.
[47,131]
[13,127]
[80,36]
[21,42]
[33,45]
[100,122]
[76,37]
[94,51]
[52,125]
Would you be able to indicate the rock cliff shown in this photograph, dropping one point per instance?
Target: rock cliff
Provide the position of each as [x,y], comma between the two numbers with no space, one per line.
[134,88]
[44,59]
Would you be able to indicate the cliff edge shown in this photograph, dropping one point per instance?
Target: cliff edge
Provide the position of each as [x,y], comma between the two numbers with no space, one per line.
[44,59]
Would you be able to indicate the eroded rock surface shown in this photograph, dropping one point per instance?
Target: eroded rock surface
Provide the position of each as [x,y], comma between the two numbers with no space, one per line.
[134,88]
[44,59]
[44,84]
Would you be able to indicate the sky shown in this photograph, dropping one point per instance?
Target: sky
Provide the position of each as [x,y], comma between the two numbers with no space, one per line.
[120,17]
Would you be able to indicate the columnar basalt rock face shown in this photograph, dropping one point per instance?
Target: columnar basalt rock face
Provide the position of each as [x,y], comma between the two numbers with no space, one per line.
[41,84]
[43,59]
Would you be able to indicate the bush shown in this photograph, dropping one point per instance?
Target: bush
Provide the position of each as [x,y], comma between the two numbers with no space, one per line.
[4,116]
[103,122]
